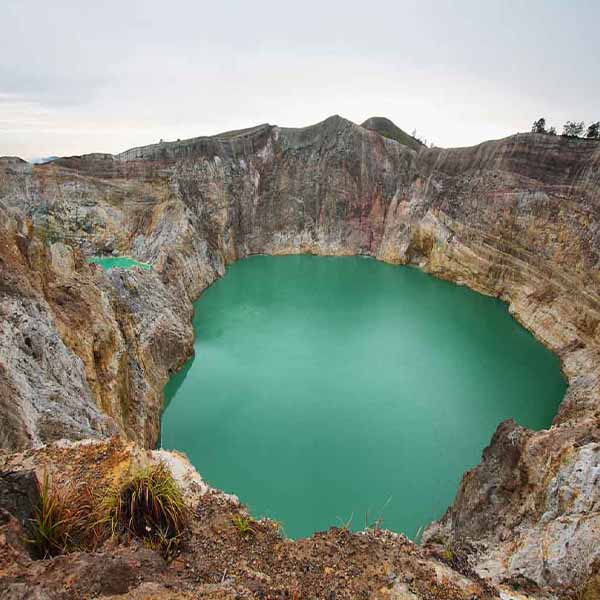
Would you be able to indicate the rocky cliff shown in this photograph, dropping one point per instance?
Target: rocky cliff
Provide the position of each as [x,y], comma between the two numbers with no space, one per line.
[82,353]
[215,559]
[517,218]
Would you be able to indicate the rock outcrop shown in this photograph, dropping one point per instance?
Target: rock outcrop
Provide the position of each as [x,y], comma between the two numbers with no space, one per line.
[390,130]
[517,218]
[83,354]
[215,558]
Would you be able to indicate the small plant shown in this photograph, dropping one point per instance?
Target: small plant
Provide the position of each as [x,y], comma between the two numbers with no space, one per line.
[376,524]
[447,554]
[51,524]
[436,539]
[165,544]
[243,524]
[419,536]
[346,525]
[278,525]
[149,506]
[453,554]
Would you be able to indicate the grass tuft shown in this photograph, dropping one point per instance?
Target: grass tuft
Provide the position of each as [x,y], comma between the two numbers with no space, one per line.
[52,524]
[150,506]
[243,525]
[345,525]
[147,505]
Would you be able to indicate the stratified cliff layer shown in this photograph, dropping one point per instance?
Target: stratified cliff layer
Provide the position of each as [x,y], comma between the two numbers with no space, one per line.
[517,218]
[82,353]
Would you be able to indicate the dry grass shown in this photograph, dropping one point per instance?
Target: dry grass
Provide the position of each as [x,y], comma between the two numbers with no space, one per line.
[147,505]
[54,524]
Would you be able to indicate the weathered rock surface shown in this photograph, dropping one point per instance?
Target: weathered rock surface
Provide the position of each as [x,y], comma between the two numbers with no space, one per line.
[19,495]
[517,218]
[82,353]
[215,559]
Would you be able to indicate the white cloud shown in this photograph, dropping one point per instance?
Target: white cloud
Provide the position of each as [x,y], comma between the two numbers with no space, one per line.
[78,77]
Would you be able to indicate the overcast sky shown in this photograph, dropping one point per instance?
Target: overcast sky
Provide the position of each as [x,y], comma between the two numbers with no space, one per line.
[80,76]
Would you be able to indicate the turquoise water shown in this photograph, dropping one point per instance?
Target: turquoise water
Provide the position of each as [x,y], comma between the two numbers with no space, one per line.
[118,262]
[327,389]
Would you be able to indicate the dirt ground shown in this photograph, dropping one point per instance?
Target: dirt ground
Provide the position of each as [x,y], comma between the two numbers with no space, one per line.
[217,558]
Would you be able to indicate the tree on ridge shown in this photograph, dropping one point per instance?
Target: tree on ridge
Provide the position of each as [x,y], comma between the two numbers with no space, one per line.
[539,126]
[573,128]
[593,131]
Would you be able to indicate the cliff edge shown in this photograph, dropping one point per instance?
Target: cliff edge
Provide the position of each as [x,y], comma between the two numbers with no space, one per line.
[517,218]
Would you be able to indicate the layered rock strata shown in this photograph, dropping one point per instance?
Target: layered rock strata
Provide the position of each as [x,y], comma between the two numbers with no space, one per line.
[83,353]
[517,218]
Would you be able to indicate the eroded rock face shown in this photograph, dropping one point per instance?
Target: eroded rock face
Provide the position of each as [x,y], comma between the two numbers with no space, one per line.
[531,506]
[82,353]
[19,495]
[517,218]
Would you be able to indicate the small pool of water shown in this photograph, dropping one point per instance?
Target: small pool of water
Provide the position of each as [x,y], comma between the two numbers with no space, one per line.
[118,262]
[338,390]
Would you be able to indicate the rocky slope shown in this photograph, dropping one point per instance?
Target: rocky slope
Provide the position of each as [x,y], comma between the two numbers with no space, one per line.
[215,559]
[517,218]
[82,353]
[390,130]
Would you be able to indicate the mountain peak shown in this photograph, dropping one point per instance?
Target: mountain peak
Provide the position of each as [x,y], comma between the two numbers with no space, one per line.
[388,129]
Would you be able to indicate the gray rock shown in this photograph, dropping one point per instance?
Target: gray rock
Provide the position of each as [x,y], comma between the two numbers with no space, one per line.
[19,495]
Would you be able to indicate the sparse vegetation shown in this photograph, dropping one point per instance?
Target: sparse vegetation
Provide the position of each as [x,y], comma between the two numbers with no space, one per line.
[243,524]
[573,128]
[376,524]
[539,126]
[593,131]
[278,525]
[390,130]
[346,525]
[148,505]
[570,129]
[48,233]
[52,524]
[447,554]
[167,545]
